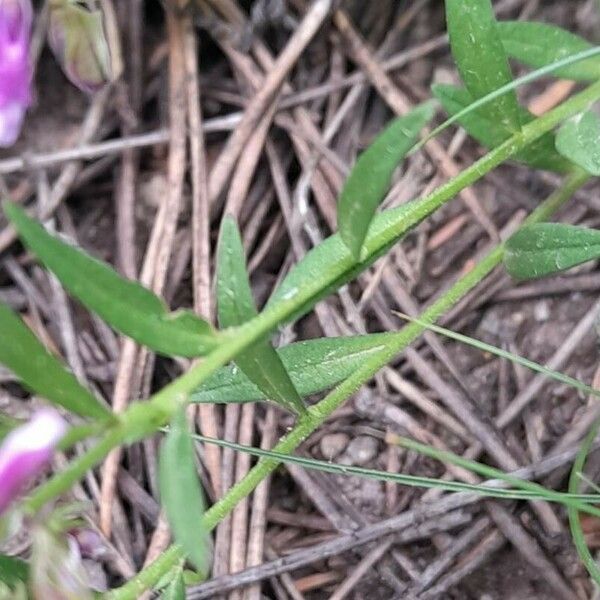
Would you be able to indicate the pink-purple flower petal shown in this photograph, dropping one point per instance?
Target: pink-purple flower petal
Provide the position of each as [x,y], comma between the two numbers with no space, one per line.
[15,69]
[26,451]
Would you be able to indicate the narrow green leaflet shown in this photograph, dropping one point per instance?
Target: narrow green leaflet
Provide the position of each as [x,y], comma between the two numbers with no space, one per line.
[260,363]
[42,372]
[13,570]
[176,589]
[320,364]
[579,141]
[547,248]
[541,154]
[332,251]
[540,44]
[477,123]
[480,57]
[520,488]
[313,366]
[550,69]
[181,494]
[125,305]
[487,471]
[371,177]
[577,471]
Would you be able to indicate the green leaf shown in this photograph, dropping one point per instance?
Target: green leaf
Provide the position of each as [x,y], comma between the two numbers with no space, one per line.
[517,488]
[579,140]
[332,251]
[371,177]
[125,305]
[541,154]
[575,525]
[13,570]
[540,44]
[260,363]
[480,57]
[181,494]
[513,85]
[313,366]
[547,248]
[176,589]
[42,372]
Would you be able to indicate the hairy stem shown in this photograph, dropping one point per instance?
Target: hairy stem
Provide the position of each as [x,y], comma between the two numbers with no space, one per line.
[318,413]
[142,419]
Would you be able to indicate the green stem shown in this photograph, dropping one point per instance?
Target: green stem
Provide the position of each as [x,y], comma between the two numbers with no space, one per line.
[169,397]
[574,522]
[79,433]
[519,489]
[321,411]
[67,478]
[570,500]
[143,418]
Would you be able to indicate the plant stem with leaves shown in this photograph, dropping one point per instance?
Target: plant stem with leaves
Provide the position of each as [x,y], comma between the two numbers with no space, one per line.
[142,419]
[320,412]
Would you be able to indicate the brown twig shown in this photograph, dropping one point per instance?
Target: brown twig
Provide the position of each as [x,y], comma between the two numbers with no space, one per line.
[259,103]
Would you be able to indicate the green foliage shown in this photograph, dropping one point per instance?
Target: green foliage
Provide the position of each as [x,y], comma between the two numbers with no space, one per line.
[550,69]
[42,372]
[13,570]
[518,488]
[540,44]
[579,141]
[371,177]
[546,248]
[125,305]
[577,533]
[489,110]
[176,589]
[331,260]
[181,494]
[260,363]
[313,366]
[542,154]
[480,58]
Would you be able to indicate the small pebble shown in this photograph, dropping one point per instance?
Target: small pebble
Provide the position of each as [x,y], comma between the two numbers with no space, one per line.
[333,444]
[541,311]
[362,449]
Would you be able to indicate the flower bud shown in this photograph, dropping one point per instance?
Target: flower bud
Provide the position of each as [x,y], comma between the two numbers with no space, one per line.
[26,451]
[78,40]
[89,542]
[15,69]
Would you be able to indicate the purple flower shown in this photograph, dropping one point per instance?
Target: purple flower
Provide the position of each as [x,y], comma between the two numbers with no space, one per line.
[26,451]
[15,69]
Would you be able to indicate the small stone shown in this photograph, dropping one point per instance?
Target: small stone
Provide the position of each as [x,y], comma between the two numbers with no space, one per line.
[362,449]
[333,444]
[541,311]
